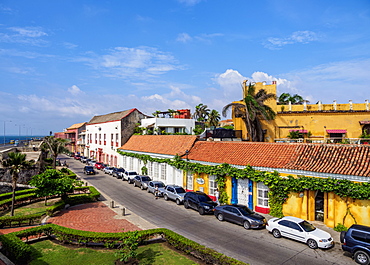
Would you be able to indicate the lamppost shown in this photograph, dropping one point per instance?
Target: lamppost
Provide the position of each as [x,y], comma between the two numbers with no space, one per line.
[4,130]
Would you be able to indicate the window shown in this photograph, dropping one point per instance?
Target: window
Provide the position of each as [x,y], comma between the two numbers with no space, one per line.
[212,185]
[96,138]
[262,195]
[150,168]
[111,139]
[156,170]
[105,139]
[124,162]
[117,139]
[163,171]
[189,181]
[131,161]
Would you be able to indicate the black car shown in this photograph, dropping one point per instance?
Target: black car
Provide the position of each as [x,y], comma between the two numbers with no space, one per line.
[89,170]
[357,242]
[240,214]
[118,172]
[199,201]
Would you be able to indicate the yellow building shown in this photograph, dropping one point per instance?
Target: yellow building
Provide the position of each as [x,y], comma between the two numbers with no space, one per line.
[318,123]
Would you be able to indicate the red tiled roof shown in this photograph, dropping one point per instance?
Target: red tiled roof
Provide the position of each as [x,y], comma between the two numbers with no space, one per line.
[160,144]
[336,159]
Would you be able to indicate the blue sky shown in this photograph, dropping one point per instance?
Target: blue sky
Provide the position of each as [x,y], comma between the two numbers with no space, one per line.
[62,62]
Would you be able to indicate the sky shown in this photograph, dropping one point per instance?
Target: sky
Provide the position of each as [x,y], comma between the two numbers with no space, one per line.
[64,61]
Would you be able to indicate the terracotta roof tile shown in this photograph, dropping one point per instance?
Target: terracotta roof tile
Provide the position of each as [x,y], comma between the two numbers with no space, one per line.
[160,144]
[115,116]
[76,126]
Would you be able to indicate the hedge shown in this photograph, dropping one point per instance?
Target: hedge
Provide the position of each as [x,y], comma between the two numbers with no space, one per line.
[8,195]
[20,253]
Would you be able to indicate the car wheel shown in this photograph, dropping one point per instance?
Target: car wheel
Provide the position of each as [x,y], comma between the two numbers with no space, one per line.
[134,184]
[186,205]
[246,225]
[312,243]
[178,202]
[220,217]
[342,235]
[142,187]
[148,190]
[165,197]
[201,210]
[361,257]
[276,233]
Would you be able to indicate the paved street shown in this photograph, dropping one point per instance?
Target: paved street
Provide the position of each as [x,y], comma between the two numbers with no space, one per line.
[250,246]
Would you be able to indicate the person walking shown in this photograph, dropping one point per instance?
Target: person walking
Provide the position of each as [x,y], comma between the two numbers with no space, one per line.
[156,192]
[217,195]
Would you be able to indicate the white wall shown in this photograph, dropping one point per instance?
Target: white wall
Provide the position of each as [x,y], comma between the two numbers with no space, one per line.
[170,123]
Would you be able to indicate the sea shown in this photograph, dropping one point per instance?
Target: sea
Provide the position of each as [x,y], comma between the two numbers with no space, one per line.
[8,138]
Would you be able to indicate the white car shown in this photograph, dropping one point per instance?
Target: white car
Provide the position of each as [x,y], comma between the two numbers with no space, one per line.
[129,175]
[300,230]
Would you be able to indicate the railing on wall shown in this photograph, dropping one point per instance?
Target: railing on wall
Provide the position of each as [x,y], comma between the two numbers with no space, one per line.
[329,140]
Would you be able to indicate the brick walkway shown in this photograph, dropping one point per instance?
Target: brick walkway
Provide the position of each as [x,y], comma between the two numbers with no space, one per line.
[94,217]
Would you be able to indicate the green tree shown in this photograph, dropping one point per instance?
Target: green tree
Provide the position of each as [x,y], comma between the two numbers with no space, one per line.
[128,248]
[55,146]
[284,99]
[53,182]
[156,113]
[201,112]
[252,110]
[295,134]
[15,163]
[198,129]
[213,118]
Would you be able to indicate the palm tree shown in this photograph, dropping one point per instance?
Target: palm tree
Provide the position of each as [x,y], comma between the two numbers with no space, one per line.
[15,164]
[201,112]
[294,99]
[55,146]
[213,118]
[252,110]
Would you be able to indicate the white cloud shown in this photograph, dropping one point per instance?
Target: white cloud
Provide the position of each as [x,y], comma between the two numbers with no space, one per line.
[26,35]
[74,90]
[132,63]
[231,84]
[184,37]
[296,37]
[189,2]
[69,45]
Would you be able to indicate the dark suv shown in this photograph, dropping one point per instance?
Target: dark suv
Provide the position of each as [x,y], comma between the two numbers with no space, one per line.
[357,241]
[199,201]
[89,170]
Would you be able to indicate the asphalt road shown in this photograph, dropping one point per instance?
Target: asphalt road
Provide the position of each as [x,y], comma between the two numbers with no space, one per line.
[250,246]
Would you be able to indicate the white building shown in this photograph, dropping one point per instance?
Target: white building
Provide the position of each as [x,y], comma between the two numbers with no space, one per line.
[169,125]
[105,133]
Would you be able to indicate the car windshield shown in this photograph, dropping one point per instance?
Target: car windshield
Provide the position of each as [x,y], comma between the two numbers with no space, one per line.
[307,226]
[160,184]
[204,198]
[88,168]
[180,190]
[145,179]
[132,173]
[120,170]
[245,211]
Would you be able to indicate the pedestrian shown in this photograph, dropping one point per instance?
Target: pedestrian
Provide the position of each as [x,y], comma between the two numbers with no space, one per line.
[217,195]
[156,192]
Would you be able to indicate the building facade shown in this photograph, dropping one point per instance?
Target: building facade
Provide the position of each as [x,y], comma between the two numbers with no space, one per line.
[320,123]
[105,133]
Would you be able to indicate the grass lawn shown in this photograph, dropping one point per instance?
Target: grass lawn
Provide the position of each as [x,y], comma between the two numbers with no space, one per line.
[34,208]
[50,253]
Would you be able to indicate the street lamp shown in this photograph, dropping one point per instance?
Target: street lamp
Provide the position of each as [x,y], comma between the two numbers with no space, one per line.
[4,130]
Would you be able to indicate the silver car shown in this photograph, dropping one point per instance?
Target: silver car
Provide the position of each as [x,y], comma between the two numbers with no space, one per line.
[152,184]
[175,193]
[141,181]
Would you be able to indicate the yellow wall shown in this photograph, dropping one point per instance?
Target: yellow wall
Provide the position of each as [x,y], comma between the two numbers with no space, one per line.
[335,209]
[312,120]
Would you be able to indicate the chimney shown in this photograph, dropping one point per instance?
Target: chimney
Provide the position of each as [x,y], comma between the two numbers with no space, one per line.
[335,105]
[274,82]
[350,105]
[367,104]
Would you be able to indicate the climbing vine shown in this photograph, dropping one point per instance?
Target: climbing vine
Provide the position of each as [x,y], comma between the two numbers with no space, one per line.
[279,187]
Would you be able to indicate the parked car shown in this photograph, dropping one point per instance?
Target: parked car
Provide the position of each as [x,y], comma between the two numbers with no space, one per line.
[129,176]
[240,214]
[118,172]
[357,242]
[92,163]
[141,181]
[83,158]
[152,184]
[77,157]
[175,193]
[99,165]
[108,170]
[86,161]
[199,201]
[89,170]
[300,230]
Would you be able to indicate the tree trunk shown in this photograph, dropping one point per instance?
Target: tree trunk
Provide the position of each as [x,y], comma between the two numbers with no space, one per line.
[15,178]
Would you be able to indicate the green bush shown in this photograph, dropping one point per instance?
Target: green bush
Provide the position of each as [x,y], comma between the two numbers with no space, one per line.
[339,228]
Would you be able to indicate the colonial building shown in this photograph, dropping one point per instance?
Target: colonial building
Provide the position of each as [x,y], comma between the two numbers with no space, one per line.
[73,134]
[319,161]
[318,122]
[105,133]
